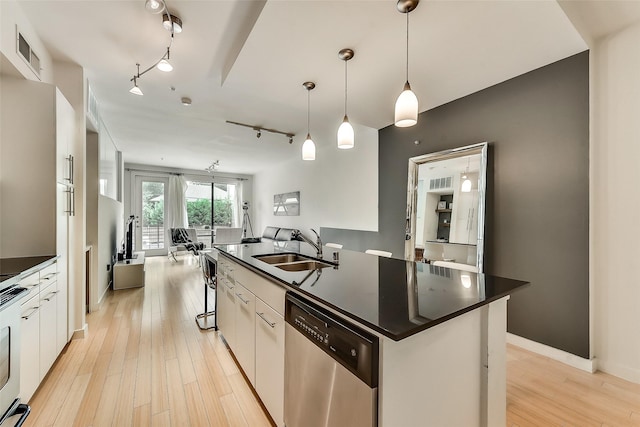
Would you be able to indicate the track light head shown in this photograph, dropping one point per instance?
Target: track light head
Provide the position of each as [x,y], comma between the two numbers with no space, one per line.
[169,20]
[155,6]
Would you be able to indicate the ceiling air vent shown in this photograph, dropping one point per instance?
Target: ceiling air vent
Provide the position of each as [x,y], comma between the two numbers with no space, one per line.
[29,56]
[440,183]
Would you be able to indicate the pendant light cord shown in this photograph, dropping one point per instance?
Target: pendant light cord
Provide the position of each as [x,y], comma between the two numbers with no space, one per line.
[308,111]
[407,46]
[345,87]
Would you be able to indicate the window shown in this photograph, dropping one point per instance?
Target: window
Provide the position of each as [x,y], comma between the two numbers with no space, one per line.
[205,216]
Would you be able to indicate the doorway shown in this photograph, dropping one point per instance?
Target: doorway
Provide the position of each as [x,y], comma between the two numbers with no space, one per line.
[151,216]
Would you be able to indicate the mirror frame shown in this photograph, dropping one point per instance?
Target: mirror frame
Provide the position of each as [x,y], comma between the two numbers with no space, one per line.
[412,195]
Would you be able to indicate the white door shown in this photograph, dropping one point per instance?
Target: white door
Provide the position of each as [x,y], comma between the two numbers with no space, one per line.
[150,194]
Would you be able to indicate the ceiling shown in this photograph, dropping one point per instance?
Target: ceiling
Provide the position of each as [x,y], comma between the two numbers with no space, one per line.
[245,61]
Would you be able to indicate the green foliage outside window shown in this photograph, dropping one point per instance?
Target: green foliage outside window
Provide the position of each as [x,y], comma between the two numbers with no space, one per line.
[199,212]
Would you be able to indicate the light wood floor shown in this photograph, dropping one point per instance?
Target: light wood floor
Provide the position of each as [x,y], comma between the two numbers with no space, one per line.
[145,362]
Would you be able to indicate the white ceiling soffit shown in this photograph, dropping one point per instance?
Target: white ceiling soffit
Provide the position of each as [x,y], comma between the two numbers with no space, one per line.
[597,19]
[264,52]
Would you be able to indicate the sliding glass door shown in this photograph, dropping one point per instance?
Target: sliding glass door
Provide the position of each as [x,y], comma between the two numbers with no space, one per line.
[212,205]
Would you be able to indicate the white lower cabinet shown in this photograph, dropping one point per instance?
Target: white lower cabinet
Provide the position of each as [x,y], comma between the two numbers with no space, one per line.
[48,330]
[43,327]
[226,311]
[254,330]
[245,346]
[270,360]
[30,347]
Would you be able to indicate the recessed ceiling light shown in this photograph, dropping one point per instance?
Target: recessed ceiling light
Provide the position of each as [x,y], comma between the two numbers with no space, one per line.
[186,101]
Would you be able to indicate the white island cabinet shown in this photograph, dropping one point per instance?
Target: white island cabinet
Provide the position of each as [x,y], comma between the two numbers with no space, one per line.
[250,317]
[441,357]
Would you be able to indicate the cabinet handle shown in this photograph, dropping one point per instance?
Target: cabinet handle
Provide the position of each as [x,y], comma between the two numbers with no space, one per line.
[50,296]
[246,301]
[50,275]
[73,202]
[33,311]
[273,325]
[28,287]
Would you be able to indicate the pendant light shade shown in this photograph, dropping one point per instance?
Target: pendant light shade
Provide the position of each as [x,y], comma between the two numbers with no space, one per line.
[406,110]
[346,136]
[466,185]
[309,147]
[135,89]
[165,66]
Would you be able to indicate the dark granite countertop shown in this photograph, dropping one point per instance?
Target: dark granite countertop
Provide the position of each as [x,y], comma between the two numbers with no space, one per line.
[395,297]
[12,270]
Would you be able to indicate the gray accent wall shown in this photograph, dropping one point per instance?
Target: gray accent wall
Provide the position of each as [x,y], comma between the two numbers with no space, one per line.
[537,229]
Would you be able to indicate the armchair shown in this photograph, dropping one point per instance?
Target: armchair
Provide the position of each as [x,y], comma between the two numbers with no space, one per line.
[184,239]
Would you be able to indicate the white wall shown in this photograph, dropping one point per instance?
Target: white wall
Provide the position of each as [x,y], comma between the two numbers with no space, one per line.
[615,202]
[11,16]
[339,189]
[110,235]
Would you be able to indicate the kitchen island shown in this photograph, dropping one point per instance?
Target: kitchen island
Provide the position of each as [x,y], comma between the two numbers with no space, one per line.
[442,332]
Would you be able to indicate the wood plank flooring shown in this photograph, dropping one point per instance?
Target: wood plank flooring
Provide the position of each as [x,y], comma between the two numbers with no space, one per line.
[145,363]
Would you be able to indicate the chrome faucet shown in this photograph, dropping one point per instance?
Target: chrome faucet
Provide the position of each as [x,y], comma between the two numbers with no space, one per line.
[297,234]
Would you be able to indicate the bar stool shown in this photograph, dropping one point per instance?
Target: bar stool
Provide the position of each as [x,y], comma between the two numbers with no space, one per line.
[207,319]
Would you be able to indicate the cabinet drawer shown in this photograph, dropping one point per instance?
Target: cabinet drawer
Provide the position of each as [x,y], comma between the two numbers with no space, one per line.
[31,283]
[264,289]
[48,291]
[49,274]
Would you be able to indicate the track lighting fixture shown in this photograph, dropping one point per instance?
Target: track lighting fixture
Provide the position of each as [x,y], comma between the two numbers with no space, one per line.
[406,111]
[259,129]
[164,64]
[308,147]
[155,6]
[213,166]
[169,19]
[345,131]
[466,183]
[173,24]
[135,89]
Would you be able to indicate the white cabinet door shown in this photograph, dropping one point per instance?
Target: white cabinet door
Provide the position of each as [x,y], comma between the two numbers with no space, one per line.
[62,321]
[65,131]
[464,227]
[48,312]
[30,348]
[270,360]
[245,342]
[226,309]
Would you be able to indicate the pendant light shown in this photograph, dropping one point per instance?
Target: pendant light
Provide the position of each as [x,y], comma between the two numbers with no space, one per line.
[406,112]
[345,131]
[466,184]
[309,147]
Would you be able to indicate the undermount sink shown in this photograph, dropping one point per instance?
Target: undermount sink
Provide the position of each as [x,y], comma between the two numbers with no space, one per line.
[303,266]
[282,258]
[292,262]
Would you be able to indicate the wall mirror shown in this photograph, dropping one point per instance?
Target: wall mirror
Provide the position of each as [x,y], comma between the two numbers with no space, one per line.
[446,208]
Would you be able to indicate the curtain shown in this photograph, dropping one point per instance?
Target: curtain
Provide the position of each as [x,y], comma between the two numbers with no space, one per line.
[177,207]
[237,207]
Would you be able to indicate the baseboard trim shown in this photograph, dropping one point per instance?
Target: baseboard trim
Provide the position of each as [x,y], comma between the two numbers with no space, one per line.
[588,365]
[81,333]
[624,372]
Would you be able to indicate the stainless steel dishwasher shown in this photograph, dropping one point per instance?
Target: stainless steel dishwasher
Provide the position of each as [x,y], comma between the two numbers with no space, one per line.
[330,370]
